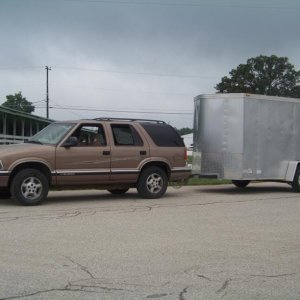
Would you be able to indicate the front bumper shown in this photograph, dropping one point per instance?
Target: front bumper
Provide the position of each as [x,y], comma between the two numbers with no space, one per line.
[4,177]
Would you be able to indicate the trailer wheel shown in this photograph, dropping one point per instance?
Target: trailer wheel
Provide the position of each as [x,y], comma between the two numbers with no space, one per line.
[241,183]
[296,181]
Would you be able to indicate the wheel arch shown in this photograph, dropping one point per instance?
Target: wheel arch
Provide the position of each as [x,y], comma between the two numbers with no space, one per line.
[31,165]
[163,165]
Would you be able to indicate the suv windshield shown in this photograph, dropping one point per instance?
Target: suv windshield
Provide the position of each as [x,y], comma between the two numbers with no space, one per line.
[51,134]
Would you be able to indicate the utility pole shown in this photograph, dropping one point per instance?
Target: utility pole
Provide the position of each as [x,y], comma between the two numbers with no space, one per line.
[47,91]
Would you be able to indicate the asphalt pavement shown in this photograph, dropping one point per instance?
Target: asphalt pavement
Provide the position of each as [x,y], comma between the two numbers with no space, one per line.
[202,242]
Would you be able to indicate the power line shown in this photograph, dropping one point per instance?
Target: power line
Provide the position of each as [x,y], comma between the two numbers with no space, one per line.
[21,68]
[38,101]
[121,109]
[137,73]
[127,90]
[117,111]
[77,115]
[119,72]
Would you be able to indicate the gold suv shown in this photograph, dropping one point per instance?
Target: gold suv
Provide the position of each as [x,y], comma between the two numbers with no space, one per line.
[113,154]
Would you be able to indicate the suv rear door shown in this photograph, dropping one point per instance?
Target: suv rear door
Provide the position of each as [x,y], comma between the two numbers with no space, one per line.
[128,150]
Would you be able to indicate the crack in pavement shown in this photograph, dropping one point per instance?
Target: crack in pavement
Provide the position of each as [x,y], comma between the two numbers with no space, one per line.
[96,285]
[204,277]
[92,284]
[72,214]
[83,268]
[47,291]
[156,296]
[71,286]
[224,286]
[131,209]
[8,219]
[274,276]
[91,287]
[181,294]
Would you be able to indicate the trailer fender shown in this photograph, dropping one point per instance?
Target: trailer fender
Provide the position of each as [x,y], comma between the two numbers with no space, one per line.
[291,170]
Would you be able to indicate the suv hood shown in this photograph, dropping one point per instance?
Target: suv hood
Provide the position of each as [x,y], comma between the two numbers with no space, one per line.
[24,149]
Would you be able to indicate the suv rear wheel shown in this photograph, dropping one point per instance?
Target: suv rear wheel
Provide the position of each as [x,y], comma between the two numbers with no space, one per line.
[29,187]
[153,183]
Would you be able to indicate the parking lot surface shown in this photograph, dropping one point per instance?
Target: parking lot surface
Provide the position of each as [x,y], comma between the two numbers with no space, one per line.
[202,242]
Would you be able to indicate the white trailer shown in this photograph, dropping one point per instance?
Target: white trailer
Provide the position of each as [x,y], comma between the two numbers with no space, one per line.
[245,137]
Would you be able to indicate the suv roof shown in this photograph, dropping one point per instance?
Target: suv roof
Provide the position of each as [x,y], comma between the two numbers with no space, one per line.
[130,120]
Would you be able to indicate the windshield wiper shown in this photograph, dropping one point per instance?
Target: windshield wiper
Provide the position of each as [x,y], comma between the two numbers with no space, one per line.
[34,142]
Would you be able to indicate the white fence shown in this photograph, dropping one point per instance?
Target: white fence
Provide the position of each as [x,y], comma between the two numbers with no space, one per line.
[12,139]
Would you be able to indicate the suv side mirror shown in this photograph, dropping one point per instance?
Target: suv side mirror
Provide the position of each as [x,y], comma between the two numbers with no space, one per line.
[72,141]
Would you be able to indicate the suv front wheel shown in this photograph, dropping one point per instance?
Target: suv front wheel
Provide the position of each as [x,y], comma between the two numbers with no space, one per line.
[153,183]
[29,187]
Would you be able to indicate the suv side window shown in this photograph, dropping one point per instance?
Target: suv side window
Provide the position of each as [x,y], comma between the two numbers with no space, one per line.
[163,135]
[90,135]
[126,135]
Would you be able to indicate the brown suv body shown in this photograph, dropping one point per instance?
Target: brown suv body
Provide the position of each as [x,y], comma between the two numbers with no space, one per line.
[115,154]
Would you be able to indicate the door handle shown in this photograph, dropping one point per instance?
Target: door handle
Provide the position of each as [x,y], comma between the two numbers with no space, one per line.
[106,152]
[143,152]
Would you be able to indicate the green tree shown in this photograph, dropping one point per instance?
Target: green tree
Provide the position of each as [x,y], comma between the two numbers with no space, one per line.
[18,102]
[184,131]
[266,75]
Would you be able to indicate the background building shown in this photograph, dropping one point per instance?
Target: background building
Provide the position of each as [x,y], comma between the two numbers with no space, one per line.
[17,126]
[188,141]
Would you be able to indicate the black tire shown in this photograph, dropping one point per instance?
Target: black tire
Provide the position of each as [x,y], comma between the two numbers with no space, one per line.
[153,183]
[241,183]
[118,191]
[296,181]
[29,187]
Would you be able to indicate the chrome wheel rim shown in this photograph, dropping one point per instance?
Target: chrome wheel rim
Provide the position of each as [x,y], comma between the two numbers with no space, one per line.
[31,188]
[154,183]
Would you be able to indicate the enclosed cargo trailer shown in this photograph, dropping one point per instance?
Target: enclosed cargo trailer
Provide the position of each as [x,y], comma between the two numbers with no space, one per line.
[245,137]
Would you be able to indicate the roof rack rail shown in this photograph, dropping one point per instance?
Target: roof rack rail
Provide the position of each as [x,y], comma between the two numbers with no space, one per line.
[130,120]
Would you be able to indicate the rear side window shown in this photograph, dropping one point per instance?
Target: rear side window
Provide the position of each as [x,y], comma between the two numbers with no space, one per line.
[125,135]
[163,135]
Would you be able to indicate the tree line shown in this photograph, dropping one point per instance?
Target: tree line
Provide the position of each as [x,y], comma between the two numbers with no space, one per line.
[18,102]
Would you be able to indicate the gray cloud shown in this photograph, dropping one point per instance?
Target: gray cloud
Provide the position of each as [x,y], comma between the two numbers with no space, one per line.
[206,41]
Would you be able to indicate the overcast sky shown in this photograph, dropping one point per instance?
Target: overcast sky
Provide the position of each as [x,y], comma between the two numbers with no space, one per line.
[135,58]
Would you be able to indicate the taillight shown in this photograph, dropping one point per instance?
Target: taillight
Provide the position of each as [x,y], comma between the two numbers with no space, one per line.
[185,154]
